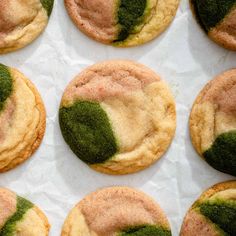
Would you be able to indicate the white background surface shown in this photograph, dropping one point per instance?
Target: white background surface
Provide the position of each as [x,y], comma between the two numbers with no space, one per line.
[54,178]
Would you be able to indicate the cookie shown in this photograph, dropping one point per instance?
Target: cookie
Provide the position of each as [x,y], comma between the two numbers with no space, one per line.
[116,211]
[218,20]
[213,123]
[214,213]
[20,217]
[22,118]
[21,22]
[122,23]
[118,116]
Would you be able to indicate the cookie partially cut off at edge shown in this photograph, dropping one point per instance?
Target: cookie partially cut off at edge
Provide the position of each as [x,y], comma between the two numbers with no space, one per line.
[214,213]
[118,116]
[213,122]
[22,118]
[20,217]
[116,211]
[21,22]
[122,23]
[218,19]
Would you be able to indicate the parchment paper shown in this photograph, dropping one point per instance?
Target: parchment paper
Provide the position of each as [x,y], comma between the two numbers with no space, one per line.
[54,178]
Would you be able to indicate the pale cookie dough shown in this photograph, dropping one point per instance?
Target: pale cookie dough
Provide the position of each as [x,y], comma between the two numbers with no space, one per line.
[22,21]
[213,122]
[214,213]
[116,211]
[22,118]
[218,20]
[20,217]
[122,23]
[118,116]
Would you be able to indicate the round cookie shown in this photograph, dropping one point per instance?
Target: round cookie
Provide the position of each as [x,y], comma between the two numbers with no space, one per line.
[122,23]
[116,211]
[214,213]
[22,118]
[20,217]
[213,123]
[21,22]
[218,20]
[118,116]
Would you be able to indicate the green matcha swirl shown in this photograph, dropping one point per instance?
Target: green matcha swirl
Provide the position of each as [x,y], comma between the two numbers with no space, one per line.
[47,5]
[86,128]
[9,228]
[130,14]
[6,85]
[222,154]
[212,12]
[222,213]
[145,230]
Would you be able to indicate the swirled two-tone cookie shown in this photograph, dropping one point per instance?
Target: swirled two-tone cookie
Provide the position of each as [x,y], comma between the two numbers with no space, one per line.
[214,213]
[20,217]
[22,118]
[116,211]
[118,116]
[218,19]
[213,122]
[122,22]
[21,22]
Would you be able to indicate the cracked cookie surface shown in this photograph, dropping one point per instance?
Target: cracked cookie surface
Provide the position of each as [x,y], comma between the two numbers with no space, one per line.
[116,211]
[22,118]
[214,213]
[118,116]
[20,217]
[21,22]
[213,122]
[122,23]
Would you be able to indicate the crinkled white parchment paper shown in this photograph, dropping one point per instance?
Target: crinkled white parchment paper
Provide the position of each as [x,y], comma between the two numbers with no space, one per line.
[54,178]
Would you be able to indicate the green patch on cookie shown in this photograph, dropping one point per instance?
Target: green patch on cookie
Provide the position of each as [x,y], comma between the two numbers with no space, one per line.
[222,154]
[86,128]
[222,214]
[211,12]
[6,85]
[130,14]
[47,5]
[9,228]
[146,230]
